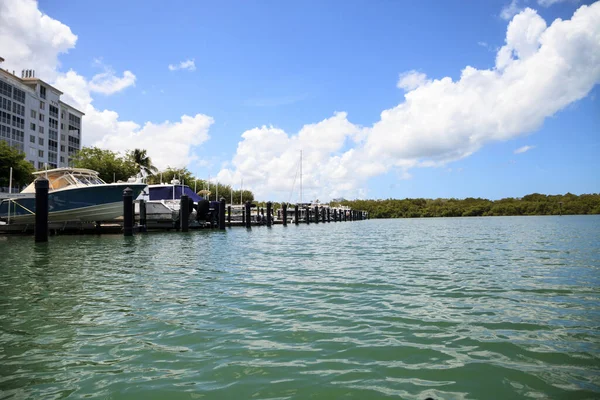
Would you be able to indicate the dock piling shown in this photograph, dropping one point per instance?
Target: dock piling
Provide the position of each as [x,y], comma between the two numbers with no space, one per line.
[143,215]
[307,217]
[284,212]
[127,212]
[269,214]
[317,214]
[296,214]
[329,215]
[248,216]
[222,214]
[229,216]
[184,213]
[41,210]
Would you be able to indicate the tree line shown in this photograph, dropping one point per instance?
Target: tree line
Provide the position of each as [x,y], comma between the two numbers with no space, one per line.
[531,204]
[112,167]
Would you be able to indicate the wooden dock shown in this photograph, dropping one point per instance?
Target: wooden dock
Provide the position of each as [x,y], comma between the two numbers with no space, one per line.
[221,216]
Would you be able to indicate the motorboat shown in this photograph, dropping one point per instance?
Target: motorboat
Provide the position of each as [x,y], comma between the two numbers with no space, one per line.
[163,202]
[74,194]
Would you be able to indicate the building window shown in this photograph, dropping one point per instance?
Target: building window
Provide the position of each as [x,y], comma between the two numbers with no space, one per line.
[41,117]
[18,109]
[32,139]
[18,135]
[5,89]
[19,95]
[42,92]
[62,138]
[74,120]
[54,111]
[41,129]
[40,153]
[41,141]
[18,122]
[62,126]
[42,105]
[5,117]
[32,126]
[33,114]
[4,131]
[62,147]
[62,159]
[5,103]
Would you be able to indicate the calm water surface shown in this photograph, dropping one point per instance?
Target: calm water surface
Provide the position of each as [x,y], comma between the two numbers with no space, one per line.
[457,308]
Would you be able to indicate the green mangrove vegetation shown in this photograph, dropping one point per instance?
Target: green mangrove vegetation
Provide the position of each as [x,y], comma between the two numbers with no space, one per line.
[532,204]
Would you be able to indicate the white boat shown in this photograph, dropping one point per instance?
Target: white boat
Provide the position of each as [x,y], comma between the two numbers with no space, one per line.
[163,202]
[74,194]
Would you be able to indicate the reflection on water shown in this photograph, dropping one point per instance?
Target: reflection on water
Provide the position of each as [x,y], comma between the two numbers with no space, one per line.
[447,308]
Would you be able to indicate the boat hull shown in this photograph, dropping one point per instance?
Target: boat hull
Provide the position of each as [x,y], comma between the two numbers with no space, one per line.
[91,203]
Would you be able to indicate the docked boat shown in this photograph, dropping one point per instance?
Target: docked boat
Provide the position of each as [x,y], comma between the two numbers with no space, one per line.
[74,194]
[164,200]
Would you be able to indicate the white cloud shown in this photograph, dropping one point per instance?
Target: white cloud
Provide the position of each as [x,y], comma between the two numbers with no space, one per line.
[523,149]
[411,80]
[34,40]
[510,10]
[268,158]
[168,143]
[539,71]
[190,65]
[107,83]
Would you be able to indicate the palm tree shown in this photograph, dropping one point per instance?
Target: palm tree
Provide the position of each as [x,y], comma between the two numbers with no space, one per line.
[142,162]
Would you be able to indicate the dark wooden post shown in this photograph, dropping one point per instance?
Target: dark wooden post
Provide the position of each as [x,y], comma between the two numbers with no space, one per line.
[127,212]
[284,212]
[334,215]
[143,221]
[307,215]
[328,214]
[229,216]
[247,214]
[317,214]
[184,213]
[296,214]
[41,210]
[269,214]
[222,214]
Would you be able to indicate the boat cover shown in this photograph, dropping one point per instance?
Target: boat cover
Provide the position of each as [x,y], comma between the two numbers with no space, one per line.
[166,193]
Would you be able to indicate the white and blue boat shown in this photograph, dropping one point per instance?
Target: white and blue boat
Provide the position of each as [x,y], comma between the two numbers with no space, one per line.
[75,194]
[163,202]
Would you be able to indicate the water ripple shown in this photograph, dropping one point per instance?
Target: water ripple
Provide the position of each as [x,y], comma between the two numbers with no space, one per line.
[445,308]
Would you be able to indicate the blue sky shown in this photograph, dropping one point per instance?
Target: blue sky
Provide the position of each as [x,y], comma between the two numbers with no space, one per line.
[285,65]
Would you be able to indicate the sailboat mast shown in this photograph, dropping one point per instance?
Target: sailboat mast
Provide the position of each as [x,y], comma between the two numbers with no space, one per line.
[301,176]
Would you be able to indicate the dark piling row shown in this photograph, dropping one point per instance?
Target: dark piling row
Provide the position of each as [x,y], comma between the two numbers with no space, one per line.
[186,206]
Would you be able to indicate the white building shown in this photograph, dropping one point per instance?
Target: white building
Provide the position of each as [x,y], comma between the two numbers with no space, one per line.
[34,120]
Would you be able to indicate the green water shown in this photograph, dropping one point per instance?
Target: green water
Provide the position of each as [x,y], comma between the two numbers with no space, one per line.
[457,308]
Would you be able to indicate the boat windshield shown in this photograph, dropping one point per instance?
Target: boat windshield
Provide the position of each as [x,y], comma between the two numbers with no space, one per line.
[87,179]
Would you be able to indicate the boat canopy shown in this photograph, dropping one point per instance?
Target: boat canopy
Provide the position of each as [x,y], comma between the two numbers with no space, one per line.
[165,192]
[59,178]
